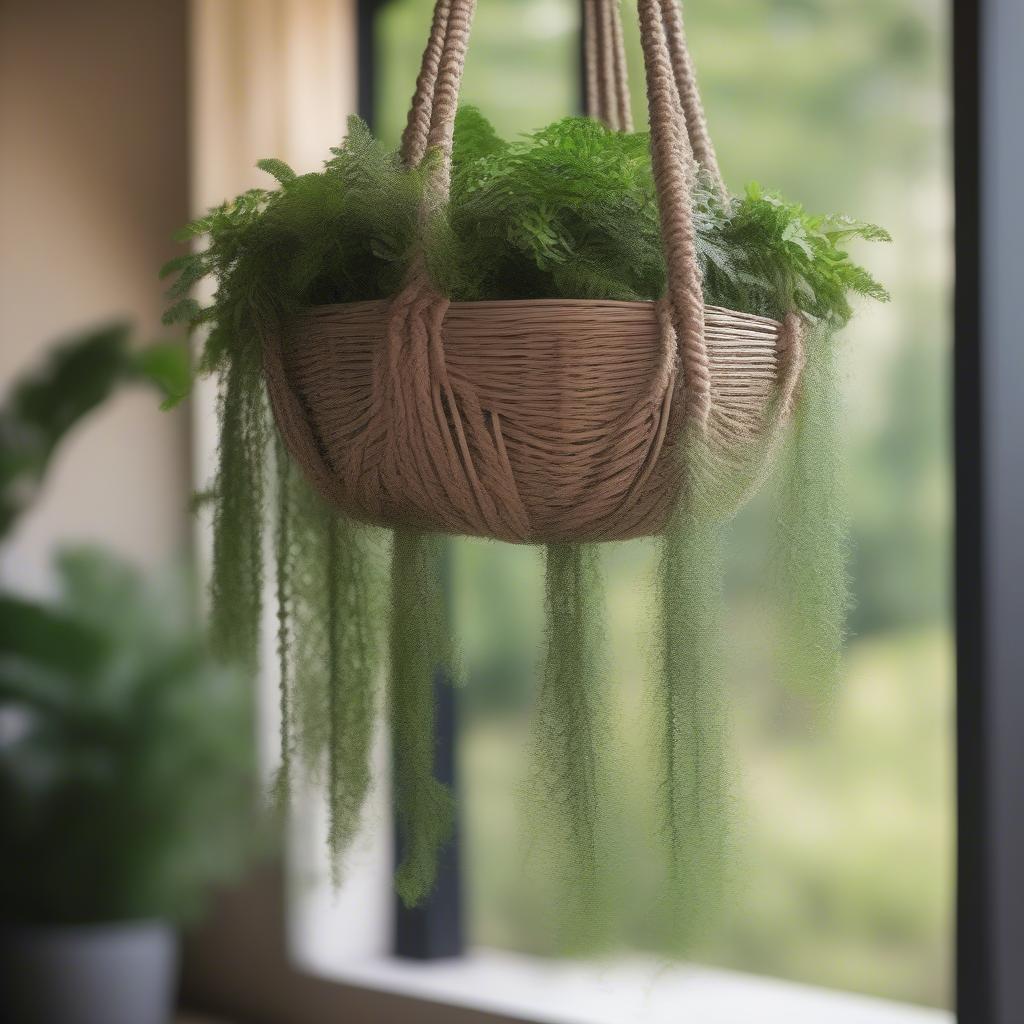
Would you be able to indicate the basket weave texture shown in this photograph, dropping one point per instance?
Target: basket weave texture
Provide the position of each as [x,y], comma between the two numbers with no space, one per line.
[535,420]
[546,420]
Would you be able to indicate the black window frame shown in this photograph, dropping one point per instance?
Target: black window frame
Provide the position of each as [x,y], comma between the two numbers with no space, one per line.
[988,150]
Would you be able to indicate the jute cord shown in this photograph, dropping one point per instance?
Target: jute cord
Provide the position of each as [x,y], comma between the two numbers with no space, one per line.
[604,58]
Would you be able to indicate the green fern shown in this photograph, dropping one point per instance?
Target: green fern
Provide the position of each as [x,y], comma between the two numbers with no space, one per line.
[569,211]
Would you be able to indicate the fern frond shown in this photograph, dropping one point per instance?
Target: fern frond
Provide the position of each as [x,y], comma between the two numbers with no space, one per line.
[277,169]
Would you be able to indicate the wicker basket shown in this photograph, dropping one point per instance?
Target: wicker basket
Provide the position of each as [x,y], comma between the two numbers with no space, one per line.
[534,420]
[563,408]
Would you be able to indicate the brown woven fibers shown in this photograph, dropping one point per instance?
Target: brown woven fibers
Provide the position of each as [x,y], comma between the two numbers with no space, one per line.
[539,420]
[536,420]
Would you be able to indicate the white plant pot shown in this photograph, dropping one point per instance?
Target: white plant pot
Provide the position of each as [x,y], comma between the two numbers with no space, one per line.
[124,973]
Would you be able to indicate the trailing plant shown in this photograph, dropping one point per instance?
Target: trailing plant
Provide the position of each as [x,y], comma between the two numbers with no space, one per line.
[565,212]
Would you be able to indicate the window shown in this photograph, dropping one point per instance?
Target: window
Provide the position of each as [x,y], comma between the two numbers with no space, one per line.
[851,822]
[849,846]
[522,69]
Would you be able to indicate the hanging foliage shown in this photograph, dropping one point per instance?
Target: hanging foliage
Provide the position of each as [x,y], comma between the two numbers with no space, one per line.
[568,212]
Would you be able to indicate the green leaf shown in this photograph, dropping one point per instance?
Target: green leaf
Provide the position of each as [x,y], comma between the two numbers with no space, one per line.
[48,402]
[184,311]
[167,366]
[37,633]
[277,169]
[131,753]
[45,404]
[795,233]
[177,264]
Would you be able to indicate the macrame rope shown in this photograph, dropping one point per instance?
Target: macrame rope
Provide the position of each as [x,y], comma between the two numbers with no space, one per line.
[689,95]
[621,70]
[591,62]
[607,81]
[604,56]
[669,95]
[446,90]
[669,141]
[431,121]
[417,128]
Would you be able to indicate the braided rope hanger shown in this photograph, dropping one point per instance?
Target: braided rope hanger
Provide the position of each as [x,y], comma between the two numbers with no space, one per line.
[675,141]
[607,80]
[604,61]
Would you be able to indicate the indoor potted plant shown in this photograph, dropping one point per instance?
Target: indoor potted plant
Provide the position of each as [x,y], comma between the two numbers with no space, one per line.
[127,783]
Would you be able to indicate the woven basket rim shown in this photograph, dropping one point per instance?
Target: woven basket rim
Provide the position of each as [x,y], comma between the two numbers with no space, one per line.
[504,304]
[586,487]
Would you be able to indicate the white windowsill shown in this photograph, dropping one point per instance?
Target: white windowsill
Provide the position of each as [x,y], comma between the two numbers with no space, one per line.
[634,992]
[324,942]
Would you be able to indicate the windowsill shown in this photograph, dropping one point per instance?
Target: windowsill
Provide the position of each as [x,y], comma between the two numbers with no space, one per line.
[644,992]
[322,943]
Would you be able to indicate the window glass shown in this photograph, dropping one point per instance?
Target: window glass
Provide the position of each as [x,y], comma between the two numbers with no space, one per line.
[522,67]
[847,819]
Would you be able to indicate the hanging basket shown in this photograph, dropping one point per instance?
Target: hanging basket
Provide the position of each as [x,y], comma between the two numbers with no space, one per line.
[536,420]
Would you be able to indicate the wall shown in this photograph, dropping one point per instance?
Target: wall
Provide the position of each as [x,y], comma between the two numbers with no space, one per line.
[93,183]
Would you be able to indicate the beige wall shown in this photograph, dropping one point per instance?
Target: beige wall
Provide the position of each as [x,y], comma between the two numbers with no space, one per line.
[268,78]
[93,182]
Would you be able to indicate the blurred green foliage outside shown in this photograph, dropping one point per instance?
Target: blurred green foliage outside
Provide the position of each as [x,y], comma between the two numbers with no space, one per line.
[847,842]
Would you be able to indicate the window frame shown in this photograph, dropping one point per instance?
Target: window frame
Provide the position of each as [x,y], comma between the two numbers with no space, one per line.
[988,144]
